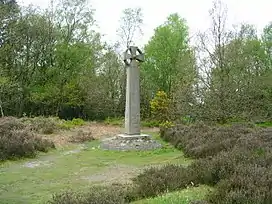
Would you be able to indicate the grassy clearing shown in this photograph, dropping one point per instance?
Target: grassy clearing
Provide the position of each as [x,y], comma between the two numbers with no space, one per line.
[179,197]
[61,171]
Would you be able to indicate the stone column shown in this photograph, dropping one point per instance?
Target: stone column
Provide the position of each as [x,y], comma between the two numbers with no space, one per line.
[132,57]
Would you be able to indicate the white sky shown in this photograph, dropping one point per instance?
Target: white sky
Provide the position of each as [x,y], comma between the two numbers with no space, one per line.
[108,13]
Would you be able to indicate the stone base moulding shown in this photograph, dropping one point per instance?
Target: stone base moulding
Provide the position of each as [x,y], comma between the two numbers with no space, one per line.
[134,137]
[124,142]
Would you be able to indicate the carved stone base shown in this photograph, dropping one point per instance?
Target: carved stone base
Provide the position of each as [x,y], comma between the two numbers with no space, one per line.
[124,142]
[134,137]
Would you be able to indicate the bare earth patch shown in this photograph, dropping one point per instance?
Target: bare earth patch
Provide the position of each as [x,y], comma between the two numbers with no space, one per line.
[35,164]
[118,173]
[114,174]
[97,130]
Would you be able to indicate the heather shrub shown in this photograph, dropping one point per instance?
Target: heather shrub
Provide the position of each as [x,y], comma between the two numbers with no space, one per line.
[158,180]
[248,184]
[80,136]
[150,183]
[213,169]
[16,141]
[41,124]
[237,159]
[200,140]
[68,197]
[49,125]
[95,195]
[8,124]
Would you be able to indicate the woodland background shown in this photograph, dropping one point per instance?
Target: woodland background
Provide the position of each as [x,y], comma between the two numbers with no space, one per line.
[54,63]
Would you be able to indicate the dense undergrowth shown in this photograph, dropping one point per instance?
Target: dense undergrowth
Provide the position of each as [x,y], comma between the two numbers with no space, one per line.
[236,159]
[20,137]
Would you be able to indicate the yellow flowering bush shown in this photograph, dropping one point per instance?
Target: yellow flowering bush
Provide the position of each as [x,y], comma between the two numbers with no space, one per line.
[160,106]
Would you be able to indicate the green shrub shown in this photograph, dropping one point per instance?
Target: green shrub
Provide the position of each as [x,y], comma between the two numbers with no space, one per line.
[68,124]
[16,141]
[264,124]
[150,123]
[78,122]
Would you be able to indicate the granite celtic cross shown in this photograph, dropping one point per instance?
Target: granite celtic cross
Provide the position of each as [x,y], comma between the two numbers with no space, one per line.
[132,56]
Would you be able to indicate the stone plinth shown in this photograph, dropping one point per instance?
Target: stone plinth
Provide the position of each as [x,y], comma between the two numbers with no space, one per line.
[134,137]
[125,142]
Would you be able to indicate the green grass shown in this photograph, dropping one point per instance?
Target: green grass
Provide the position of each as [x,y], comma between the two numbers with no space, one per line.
[68,124]
[19,184]
[179,197]
[114,121]
[265,124]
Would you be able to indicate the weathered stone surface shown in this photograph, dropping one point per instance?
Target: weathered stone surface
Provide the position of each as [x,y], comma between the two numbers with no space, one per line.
[132,139]
[129,144]
[132,113]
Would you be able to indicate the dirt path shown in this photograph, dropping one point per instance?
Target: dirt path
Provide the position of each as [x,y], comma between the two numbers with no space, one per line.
[114,173]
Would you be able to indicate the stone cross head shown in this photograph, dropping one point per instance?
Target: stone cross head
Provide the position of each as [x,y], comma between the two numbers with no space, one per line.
[133,53]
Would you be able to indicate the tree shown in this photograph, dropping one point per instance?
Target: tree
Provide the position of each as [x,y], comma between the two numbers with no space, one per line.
[164,52]
[20,59]
[8,11]
[8,17]
[214,90]
[233,72]
[130,26]
[170,62]
[267,43]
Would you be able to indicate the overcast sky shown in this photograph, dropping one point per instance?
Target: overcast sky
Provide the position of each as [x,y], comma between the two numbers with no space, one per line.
[108,12]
